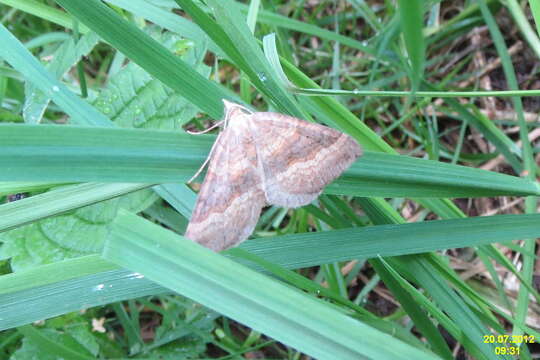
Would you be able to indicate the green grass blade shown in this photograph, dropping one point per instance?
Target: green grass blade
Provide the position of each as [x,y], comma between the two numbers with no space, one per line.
[456,307]
[179,196]
[60,200]
[529,164]
[413,309]
[149,54]
[45,12]
[492,133]
[73,282]
[412,23]
[528,160]
[418,177]
[76,154]
[535,10]
[227,287]
[76,284]
[523,24]
[297,280]
[64,58]
[175,156]
[22,60]
[239,44]
[167,20]
[304,250]
[12,187]
[252,14]
[278,20]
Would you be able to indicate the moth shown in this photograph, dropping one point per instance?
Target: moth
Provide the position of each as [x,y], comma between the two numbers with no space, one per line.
[259,159]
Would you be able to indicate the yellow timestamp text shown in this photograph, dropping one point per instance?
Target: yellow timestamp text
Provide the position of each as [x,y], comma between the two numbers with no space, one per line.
[509,339]
[503,350]
[509,344]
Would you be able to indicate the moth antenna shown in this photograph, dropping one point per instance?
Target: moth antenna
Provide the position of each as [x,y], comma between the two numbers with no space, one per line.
[205,161]
[207,130]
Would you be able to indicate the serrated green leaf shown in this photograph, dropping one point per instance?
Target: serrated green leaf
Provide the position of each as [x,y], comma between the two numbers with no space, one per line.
[133,98]
[73,233]
[28,247]
[138,201]
[49,344]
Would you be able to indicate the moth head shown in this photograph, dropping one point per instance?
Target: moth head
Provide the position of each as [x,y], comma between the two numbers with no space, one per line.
[234,111]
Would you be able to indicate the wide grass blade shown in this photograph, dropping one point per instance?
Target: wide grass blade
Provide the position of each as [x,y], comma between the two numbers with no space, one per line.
[13,187]
[71,285]
[227,287]
[71,154]
[77,282]
[59,201]
[311,249]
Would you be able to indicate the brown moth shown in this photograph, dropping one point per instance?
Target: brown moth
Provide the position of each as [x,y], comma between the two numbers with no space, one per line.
[259,159]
